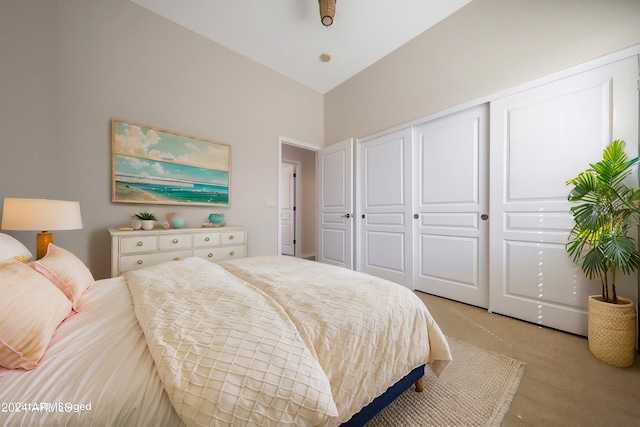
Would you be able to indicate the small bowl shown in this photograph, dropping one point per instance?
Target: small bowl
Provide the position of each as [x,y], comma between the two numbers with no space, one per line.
[216,218]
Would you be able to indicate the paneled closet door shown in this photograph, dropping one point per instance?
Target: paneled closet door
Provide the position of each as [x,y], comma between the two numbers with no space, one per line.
[452,206]
[335,202]
[384,208]
[287,209]
[540,138]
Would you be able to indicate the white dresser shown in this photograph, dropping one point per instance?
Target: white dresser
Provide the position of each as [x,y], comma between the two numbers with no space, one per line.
[131,250]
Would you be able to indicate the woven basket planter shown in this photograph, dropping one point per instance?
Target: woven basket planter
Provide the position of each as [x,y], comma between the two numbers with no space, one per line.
[612,331]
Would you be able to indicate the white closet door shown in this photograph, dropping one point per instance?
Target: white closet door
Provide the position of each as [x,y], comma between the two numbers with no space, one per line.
[384,212]
[451,196]
[540,138]
[335,201]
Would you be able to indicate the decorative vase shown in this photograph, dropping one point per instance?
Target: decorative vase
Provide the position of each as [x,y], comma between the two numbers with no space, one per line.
[177,222]
[135,222]
[217,219]
[612,331]
[147,224]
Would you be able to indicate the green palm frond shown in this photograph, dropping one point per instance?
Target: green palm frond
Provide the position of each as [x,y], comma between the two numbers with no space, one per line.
[606,209]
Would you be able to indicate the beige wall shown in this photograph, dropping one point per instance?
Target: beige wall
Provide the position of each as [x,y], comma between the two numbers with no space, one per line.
[69,66]
[27,100]
[485,47]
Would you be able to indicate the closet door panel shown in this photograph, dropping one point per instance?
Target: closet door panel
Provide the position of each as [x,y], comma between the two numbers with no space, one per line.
[335,202]
[450,193]
[384,207]
[540,138]
[539,132]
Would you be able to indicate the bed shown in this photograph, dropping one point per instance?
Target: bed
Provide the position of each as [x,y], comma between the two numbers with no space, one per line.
[260,341]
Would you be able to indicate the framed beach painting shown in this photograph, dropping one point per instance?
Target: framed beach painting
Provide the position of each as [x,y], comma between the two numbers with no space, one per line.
[157,166]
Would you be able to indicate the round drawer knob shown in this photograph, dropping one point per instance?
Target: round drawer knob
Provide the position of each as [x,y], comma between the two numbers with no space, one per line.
[175,240]
[210,255]
[176,258]
[231,237]
[206,239]
[139,243]
[232,253]
[139,262]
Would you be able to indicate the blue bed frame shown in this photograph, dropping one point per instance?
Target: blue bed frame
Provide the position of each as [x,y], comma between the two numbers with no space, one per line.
[380,402]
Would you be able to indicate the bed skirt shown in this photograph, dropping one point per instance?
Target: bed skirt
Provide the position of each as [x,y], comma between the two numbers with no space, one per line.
[380,402]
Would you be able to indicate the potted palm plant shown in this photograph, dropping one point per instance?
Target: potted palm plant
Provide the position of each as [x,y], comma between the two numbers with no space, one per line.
[600,242]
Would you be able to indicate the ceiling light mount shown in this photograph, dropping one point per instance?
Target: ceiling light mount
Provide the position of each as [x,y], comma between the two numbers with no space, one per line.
[327,10]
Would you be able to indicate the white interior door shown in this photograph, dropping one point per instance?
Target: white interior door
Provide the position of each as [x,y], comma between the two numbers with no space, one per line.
[287,209]
[335,202]
[384,211]
[452,204]
[540,138]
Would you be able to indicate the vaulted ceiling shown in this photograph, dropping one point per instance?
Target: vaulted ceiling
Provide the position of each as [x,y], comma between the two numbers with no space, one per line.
[288,37]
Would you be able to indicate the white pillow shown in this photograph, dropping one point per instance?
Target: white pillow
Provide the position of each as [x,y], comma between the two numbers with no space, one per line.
[11,249]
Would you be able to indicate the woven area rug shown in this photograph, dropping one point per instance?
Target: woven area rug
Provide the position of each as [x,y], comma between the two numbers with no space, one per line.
[476,389]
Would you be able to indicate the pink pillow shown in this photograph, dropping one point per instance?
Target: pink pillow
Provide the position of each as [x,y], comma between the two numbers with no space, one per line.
[31,309]
[65,271]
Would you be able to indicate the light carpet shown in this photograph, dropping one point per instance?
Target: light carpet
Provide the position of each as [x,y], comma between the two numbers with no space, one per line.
[476,389]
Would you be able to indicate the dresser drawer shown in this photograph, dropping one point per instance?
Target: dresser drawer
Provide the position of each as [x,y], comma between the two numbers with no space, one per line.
[131,250]
[134,262]
[137,244]
[220,254]
[204,240]
[175,241]
[234,252]
[234,236]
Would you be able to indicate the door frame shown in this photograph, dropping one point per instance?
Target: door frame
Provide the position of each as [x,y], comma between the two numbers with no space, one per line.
[288,141]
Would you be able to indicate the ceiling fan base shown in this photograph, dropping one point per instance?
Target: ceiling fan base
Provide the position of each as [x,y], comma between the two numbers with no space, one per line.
[327,10]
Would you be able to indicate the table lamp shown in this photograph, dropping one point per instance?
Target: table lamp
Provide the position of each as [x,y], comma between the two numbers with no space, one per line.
[40,215]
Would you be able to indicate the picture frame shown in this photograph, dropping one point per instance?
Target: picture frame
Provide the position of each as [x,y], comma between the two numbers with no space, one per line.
[156,166]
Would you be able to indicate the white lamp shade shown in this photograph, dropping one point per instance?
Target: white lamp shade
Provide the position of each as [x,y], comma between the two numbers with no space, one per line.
[40,214]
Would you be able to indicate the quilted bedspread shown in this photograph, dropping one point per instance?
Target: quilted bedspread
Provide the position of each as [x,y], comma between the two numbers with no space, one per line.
[278,340]
[367,332]
[226,353]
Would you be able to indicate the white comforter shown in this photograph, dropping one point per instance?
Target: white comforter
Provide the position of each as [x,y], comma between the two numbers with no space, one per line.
[367,332]
[293,343]
[226,353]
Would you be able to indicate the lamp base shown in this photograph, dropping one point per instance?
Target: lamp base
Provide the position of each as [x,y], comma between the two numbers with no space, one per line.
[42,243]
